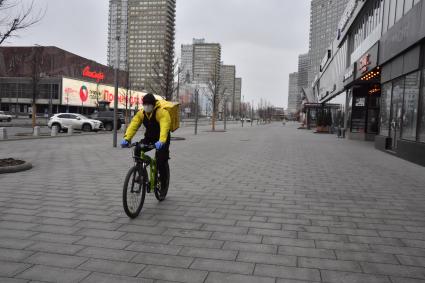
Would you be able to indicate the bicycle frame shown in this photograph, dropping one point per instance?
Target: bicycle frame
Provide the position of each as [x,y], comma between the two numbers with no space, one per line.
[152,170]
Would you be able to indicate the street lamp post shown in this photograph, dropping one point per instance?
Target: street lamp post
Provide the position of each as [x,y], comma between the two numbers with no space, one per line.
[114,143]
[196,109]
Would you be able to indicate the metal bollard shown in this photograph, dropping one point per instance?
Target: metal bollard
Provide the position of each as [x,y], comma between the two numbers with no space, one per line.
[36,132]
[124,128]
[54,132]
[3,134]
[70,131]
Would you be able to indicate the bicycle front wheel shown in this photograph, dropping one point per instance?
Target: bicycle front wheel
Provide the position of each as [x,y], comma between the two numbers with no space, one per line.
[134,192]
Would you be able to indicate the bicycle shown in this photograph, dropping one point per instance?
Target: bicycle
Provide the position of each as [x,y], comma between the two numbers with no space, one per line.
[138,181]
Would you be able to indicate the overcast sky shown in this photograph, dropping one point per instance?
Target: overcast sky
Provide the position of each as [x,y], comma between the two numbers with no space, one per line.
[261,37]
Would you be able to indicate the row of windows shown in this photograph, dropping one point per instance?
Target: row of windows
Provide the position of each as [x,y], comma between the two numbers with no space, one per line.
[17,90]
[371,20]
[394,10]
[402,116]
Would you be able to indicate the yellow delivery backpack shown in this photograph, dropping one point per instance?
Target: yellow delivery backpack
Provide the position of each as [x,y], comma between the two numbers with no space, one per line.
[173,109]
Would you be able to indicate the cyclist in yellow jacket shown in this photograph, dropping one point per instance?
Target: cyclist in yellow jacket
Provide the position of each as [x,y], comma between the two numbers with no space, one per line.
[157,122]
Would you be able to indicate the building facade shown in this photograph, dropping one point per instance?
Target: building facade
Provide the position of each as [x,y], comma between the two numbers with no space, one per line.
[57,81]
[293,93]
[238,96]
[324,18]
[206,62]
[227,88]
[376,70]
[186,63]
[117,27]
[148,32]
[303,68]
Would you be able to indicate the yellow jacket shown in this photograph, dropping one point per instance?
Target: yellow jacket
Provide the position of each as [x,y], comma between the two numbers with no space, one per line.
[162,117]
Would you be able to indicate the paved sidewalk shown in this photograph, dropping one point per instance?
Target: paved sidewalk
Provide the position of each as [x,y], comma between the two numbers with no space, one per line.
[261,204]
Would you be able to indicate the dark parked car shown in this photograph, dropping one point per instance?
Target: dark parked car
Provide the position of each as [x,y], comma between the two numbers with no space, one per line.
[107,118]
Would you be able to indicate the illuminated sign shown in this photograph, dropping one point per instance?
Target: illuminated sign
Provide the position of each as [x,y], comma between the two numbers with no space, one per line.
[364,63]
[346,16]
[349,73]
[93,75]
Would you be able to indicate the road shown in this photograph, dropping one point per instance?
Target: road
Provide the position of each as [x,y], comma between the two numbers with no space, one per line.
[259,204]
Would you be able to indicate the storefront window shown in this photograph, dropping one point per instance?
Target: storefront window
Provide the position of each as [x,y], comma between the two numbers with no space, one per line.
[422,117]
[410,109]
[385,109]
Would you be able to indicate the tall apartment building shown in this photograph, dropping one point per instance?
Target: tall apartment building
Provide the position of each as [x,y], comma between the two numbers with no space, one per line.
[238,96]
[147,40]
[117,27]
[303,67]
[293,93]
[186,64]
[227,86]
[324,18]
[206,62]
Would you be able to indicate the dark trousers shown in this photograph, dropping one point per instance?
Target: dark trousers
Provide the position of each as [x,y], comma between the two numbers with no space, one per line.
[162,156]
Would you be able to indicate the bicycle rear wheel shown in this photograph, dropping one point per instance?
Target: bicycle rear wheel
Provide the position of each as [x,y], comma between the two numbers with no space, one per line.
[161,189]
[134,191]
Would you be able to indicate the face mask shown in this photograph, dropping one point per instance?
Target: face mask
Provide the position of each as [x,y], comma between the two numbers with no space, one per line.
[148,108]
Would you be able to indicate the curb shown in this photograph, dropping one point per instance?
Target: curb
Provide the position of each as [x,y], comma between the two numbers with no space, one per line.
[16,168]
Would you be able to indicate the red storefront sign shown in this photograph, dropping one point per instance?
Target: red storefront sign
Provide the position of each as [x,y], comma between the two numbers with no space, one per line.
[364,63]
[98,76]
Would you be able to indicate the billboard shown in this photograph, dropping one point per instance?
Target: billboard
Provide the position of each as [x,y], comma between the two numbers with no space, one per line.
[81,93]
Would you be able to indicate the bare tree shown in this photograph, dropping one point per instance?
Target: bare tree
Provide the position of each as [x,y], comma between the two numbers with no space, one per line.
[161,78]
[215,94]
[11,21]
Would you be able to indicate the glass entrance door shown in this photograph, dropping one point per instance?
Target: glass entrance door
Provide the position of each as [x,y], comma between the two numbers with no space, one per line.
[397,112]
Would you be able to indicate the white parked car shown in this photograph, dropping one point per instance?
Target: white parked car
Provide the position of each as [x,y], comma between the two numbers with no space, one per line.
[77,121]
[5,117]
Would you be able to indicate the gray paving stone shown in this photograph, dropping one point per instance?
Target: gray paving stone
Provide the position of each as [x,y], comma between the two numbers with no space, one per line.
[215,277]
[10,269]
[350,277]
[307,252]
[103,243]
[112,267]
[164,260]
[272,232]
[366,256]
[267,259]
[107,234]
[13,255]
[56,238]
[223,266]
[208,253]
[411,260]
[248,247]
[287,272]
[195,242]
[174,274]
[406,280]
[103,253]
[329,264]
[57,260]
[394,270]
[188,233]
[236,237]
[53,274]
[55,248]
[225,229]
[288,242]
[108,278]
[154,248]
[342,246]
[12,280]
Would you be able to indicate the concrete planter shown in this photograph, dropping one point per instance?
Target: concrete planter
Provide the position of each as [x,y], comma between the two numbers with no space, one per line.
[15,168]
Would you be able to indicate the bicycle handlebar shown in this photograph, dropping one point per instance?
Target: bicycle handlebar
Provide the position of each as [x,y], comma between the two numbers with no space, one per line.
[147,146]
